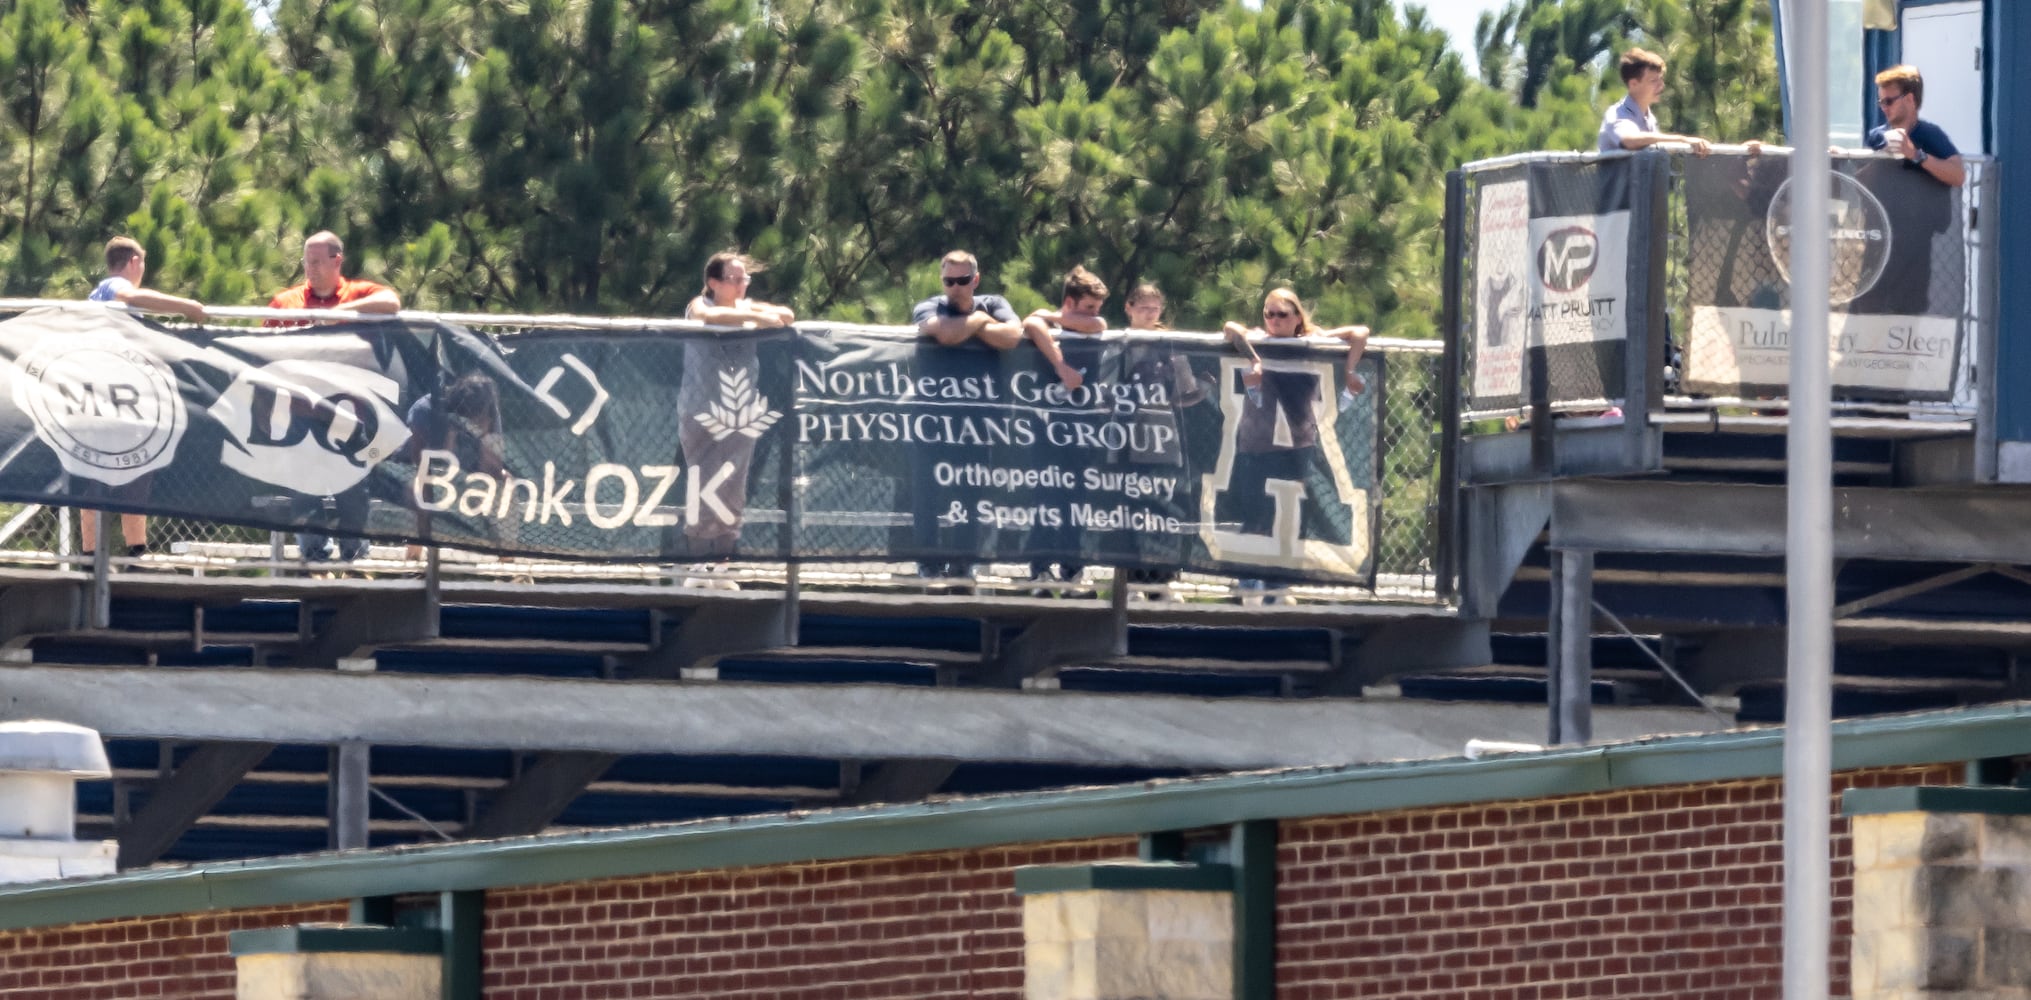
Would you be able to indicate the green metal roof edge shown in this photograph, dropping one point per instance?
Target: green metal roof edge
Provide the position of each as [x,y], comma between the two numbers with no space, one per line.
[1987,801]
[1918,738]
[1037,880]
[335,940]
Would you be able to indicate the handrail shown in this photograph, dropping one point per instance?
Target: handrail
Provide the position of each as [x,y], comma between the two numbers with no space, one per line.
[1736,148]
[1404,345]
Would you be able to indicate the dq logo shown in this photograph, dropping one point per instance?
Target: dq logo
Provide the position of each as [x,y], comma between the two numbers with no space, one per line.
[110,412]
[316,427]
[1567,258]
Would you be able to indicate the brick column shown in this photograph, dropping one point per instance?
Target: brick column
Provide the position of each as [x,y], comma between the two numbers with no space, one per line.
[332,962]
[1942,893]
[1128,932]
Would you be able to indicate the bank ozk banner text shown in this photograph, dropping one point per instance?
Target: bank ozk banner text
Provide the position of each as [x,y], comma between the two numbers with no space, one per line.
[792,444]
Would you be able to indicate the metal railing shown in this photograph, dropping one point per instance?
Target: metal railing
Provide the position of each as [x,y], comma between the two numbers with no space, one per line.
[1409,521]
[1961,271]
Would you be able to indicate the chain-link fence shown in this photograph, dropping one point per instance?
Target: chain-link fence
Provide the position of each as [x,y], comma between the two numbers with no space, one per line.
[1909,294]
[1905,289]
[1397,470]
[1556,280]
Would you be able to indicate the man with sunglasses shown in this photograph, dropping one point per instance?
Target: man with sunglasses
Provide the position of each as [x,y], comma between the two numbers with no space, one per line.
[960,315]
[1899,92]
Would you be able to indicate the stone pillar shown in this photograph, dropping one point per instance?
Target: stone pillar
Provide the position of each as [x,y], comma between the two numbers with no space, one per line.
[1942,903]
[40,765]
[335,962]
[1128,932]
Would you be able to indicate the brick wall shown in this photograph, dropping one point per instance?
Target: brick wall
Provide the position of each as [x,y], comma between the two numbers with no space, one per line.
[1652,893]
[176,957]
[1670,892]
[923,925]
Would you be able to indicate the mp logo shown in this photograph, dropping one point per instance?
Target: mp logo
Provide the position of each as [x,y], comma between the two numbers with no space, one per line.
[1566,259]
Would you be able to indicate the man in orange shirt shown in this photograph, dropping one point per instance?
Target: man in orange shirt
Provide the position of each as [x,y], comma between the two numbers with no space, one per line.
[325,287]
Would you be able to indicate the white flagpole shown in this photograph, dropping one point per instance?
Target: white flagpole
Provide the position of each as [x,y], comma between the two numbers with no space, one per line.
[1808,686]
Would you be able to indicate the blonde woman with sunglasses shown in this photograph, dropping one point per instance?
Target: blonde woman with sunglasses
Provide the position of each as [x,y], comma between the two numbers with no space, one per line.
[1279,428]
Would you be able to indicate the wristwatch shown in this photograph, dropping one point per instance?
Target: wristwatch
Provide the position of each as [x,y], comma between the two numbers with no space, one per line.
[1921,157]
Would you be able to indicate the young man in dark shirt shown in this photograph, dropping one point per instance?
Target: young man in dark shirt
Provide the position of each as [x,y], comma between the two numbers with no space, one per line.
[1900,91]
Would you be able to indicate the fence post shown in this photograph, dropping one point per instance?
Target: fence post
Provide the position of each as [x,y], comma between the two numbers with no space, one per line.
[99,614]
[1452,319]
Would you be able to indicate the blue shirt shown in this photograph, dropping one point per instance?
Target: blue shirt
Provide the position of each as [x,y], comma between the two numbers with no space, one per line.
[109,290]
[1923,134]
[1625,118]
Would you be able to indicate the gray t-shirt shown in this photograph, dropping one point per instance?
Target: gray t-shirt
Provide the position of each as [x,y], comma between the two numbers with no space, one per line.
[1625,118]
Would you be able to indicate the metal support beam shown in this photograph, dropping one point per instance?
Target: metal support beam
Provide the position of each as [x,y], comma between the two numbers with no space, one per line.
[369,621]
[99,610]
[1895,594]
[900,781]
[1390,651]
[1452,321]
[711,631]
[1503,522]
[1728,661]
[1252,848]
[177,802]
[349,799]
[1571,672]
[461,918]
[31,609]
[551,782]
[1547,450]
[546,787]
[1971,525]
[1055,639]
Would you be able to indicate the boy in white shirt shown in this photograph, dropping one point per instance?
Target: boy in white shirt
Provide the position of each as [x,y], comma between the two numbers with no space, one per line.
[126,263]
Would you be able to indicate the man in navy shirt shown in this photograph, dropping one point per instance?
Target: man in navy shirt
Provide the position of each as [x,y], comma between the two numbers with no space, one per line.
[960,314]
[1899,92]
[957,316]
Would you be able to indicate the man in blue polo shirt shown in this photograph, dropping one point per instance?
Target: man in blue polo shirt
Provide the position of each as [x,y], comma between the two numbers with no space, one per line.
[1924,146]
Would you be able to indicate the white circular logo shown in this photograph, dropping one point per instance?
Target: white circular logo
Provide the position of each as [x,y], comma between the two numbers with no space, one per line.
[110,411]
[1858,237]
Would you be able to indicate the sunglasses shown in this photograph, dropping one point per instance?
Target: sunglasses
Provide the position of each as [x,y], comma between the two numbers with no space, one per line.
[952,282]
[1276,314]
[1884,102]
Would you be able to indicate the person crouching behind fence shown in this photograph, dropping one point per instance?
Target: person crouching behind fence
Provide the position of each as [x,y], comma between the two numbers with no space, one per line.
[714,366]
[1279,429]
[1078,311]
[126,266]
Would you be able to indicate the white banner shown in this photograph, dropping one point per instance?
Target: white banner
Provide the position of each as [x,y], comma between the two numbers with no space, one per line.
[1502,293]
[1752,347]
[1582,289]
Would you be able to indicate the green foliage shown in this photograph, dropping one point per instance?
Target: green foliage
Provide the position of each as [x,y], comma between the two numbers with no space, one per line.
[1721,54]
[588,155]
